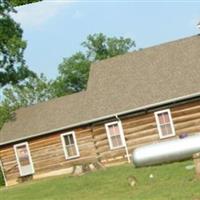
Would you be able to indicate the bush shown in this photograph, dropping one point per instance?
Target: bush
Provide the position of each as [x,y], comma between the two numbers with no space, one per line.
[1,179]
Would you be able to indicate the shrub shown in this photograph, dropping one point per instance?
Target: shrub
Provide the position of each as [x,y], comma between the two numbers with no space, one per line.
[2,183]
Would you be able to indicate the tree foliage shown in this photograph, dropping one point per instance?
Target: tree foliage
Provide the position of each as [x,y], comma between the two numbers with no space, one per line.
[99,46]
[12,46]
[5,114]
[73,76]
[31,91]
[22,2]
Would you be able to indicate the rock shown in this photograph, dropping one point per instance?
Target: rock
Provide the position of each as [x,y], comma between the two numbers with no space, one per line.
[92,167]
[86,167]
[132,181]
[78,170]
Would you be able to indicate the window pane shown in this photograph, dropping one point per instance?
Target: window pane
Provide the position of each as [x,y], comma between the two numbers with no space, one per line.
[116,141]
[116,128]
[113,129]
[161,118]
[166,129]
[67,142]
[163,130]
[166,117]
[69,139]
[23,156]
[71,150]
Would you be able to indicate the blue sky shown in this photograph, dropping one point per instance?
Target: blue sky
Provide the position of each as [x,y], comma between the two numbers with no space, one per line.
[55,29]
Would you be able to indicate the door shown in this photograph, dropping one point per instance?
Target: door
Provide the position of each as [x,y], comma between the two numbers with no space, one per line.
[24,160]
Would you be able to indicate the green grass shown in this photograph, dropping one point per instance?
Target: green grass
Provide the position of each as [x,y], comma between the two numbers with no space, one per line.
[171,181]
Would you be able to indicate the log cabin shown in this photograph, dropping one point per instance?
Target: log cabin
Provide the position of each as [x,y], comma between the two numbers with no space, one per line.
[131,100]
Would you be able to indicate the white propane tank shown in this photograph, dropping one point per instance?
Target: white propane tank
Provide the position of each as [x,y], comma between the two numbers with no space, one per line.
[166,151]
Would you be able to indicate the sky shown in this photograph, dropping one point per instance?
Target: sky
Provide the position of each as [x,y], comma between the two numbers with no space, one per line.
[55,29]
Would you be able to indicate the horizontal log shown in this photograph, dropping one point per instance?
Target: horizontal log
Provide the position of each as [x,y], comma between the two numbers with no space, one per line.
[7,152]
[186,118]
[9,164]
[99,131]
[113,153]
[46,149]
[132,147]
[103,136]
[137,118]
[85,138]
[130,130]
[185,106]
[134,123]
[187,124]
[144,140]
[101,143]
[8,159]
[189,130]
[103,149]
[186,111]
[145,133]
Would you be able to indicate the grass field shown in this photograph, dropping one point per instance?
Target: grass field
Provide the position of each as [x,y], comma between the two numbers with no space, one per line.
[170,182]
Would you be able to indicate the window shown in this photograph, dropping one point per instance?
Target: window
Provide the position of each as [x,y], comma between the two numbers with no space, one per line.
[24,160]
[70,145]
[115,135]
[164,123]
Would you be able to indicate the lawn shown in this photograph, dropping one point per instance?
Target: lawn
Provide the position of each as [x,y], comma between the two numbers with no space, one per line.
[171,181]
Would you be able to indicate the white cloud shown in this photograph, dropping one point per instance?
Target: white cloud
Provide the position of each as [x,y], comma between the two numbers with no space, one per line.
[37,14]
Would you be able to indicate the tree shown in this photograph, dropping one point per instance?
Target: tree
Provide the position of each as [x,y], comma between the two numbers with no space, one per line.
[22,2]
[73,76]
[5,114]
[32,91]
[99,47]
[73,71]
[12,46]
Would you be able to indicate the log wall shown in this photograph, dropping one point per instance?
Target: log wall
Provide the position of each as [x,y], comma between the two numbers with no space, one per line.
[48,156]
[143,129]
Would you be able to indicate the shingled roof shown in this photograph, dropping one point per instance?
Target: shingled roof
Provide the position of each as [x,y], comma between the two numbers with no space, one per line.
[120,84]
[156,74]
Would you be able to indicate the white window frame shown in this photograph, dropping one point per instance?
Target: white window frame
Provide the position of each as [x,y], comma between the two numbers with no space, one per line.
[30,159]
[158,124]
[121,132]
[64,145]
